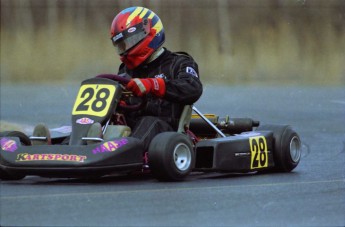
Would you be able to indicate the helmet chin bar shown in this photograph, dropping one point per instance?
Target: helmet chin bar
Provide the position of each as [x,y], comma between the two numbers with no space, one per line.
[155,55]
[133,61]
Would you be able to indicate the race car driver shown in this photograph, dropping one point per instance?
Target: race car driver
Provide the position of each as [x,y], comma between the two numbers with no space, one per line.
[168,80]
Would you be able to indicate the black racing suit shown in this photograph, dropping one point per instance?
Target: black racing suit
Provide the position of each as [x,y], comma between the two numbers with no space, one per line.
[183,87]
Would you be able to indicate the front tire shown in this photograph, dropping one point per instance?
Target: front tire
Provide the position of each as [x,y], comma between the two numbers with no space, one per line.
[171,156]
[25,141]
[287,147]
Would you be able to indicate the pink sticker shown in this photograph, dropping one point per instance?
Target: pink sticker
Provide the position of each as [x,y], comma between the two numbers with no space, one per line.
[8,145]
[85,121]
[110,146]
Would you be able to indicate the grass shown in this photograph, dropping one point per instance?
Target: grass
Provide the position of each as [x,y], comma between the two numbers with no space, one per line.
[9,126]
[232,44]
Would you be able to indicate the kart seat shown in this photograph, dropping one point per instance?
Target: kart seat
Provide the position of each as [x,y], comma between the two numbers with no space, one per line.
[196,124]
[116,131]
[185,118]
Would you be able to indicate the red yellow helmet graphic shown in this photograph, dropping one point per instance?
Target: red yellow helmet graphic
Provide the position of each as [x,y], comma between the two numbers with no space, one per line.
[137,33]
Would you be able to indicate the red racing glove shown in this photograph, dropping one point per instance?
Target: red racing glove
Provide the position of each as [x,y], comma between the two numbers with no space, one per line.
[141,87]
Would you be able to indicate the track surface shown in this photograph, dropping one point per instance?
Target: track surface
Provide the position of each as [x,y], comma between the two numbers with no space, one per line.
[312,195]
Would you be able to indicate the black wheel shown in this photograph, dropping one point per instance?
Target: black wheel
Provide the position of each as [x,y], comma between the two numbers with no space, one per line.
[287,147]
[25,141]
[171,156]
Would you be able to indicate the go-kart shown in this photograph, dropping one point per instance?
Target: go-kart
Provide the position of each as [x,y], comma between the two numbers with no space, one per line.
[202,142]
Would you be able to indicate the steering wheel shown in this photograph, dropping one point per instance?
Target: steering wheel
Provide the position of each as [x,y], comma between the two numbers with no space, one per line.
[124,81]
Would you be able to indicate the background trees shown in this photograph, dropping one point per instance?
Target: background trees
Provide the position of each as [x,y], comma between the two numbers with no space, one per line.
[233,41]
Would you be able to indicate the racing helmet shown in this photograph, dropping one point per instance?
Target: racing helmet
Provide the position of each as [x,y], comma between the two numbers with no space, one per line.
[137,33]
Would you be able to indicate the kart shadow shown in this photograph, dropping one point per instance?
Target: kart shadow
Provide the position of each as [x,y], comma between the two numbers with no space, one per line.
[210,176]
[229,176]
[147,177]
[108,179]
[133,178]
[136,177]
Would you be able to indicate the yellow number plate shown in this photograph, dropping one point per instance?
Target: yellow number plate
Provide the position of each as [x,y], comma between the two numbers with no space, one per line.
[259,152]
[94,99]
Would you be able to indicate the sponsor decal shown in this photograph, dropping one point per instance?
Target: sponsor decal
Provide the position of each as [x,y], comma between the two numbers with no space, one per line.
[132,29]
[155,85]
[117,37]
[191,71]
[25,157]
[242,154]
[160,76]
[85,121]
[8,145]
[110,146]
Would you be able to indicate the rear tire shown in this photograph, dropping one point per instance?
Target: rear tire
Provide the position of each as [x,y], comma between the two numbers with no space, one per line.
[25,141]
[171,156]
[287,147]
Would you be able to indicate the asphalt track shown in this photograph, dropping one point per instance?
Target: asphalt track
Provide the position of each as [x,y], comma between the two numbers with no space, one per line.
[312,195]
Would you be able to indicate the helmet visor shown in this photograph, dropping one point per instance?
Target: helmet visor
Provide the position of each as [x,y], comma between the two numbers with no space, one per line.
[128,38]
